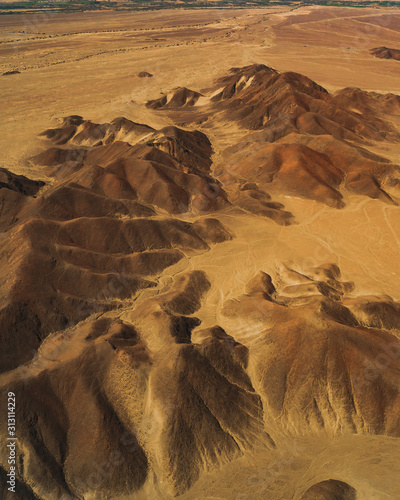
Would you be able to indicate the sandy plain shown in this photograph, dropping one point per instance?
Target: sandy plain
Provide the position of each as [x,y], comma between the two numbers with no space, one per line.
[88,63]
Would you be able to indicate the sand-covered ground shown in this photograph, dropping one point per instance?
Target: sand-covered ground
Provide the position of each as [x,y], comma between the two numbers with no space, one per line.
[88,64]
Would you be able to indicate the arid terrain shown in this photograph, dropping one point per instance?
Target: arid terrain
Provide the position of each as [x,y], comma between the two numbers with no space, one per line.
[199,247]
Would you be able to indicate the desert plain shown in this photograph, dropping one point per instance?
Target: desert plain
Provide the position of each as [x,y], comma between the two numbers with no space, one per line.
[200,235]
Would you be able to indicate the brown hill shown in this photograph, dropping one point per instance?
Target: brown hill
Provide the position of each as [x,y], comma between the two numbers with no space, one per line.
[385,53]
[14,193]
[193,387]
[251,198]
[290,102]
[160,398]
[80,267]
[312,369]
[292,168]
[144,74]
[259,97]
[168,168]
[179,97]
[370,103]
[19,183]
[306,142]
[95,224]
[314,167]
[79,131]
[145,362]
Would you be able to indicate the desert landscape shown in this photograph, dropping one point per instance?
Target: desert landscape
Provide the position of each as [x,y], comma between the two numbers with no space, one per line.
[199,239]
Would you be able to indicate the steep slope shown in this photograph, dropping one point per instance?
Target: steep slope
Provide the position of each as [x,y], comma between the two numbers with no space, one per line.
[303,141]
[385,53]
[15,191]
[330,490]
[320,168]
[319,370]
[177,98]
[169,168]
[145,362]
[80,267]
[147,411]
[110,407]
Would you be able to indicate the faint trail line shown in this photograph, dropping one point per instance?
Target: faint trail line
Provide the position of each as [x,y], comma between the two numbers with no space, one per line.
[389,225]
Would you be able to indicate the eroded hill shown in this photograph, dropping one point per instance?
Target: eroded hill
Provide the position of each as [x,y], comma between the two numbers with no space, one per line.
[140,371]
